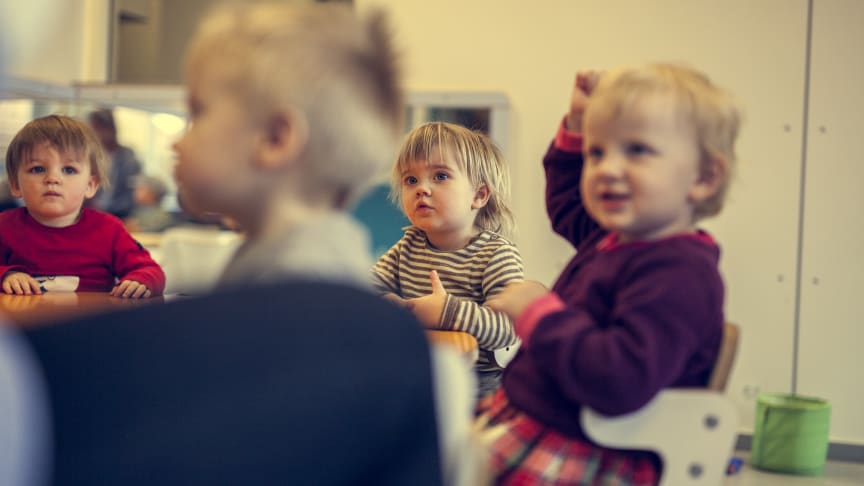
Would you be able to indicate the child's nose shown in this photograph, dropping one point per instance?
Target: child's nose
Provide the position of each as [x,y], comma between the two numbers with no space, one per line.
[610,165]
[423,189]
[53,176]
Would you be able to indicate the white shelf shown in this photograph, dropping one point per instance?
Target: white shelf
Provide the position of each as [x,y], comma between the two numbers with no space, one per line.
[154,98]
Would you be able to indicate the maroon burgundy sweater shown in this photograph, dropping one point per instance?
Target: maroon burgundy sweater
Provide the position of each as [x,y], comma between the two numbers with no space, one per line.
[97,249]
[637,317]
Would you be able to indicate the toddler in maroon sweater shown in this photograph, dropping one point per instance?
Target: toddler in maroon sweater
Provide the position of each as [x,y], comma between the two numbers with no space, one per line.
[54,164]
[643,154]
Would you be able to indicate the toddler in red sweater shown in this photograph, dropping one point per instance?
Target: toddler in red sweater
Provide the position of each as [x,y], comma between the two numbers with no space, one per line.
[54,164]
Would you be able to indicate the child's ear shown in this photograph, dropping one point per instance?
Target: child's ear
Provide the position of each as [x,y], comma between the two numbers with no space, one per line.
[711,178]
[284,137]
[92,187]
[481,197]
[14,189]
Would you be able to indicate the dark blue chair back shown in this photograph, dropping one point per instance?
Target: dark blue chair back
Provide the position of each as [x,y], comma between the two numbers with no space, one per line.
[291,383]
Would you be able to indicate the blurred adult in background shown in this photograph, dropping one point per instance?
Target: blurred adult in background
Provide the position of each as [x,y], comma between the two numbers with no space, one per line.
[118,198]
[149,215]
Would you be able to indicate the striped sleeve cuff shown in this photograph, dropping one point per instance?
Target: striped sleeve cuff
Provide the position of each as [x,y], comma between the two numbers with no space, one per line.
[448,315]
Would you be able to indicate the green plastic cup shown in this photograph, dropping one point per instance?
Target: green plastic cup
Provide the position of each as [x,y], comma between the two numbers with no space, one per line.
[791,434]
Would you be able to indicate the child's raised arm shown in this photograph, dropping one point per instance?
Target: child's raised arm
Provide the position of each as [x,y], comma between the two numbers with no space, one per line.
[583,85]
[563,166]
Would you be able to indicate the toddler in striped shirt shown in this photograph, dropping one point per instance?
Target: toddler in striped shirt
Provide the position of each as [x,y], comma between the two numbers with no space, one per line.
[453,186]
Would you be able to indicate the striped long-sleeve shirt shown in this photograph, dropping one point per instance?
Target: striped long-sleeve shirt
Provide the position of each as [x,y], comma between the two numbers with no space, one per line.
[471,275]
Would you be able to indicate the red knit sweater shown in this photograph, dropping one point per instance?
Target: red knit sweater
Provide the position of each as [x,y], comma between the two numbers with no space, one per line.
[97,249]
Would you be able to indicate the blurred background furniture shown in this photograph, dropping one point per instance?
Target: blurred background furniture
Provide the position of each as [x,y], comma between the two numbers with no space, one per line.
[193,258]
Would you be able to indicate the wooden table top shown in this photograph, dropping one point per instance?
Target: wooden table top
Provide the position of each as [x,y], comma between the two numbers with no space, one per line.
[461,341]
[52,307]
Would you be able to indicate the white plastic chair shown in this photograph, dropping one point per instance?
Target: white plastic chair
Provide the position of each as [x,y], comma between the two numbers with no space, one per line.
[193,258]
[504,355]
[693,430]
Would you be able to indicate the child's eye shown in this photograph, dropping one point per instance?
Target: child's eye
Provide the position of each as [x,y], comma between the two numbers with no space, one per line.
[636,149]
[69,170]
[410,180]
[36,169]
[595,153]
[441,176]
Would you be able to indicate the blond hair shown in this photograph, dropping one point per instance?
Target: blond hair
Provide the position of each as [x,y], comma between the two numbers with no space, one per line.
[339,70]
[711,111]
[63,133]
[474,153]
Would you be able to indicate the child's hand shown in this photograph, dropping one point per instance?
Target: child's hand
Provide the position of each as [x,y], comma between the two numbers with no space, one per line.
[428,308]
[516,297]
[584,84]
[395,299]
[130,289]
[20,283]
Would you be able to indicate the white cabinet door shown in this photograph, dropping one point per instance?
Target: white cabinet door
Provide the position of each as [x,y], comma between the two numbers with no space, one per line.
[758,228]
[830,354]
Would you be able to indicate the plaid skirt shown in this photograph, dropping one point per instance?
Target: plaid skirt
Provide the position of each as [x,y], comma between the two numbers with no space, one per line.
[525,452]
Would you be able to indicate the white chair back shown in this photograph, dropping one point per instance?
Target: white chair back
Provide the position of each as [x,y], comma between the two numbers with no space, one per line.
[693,429]
[503,356]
